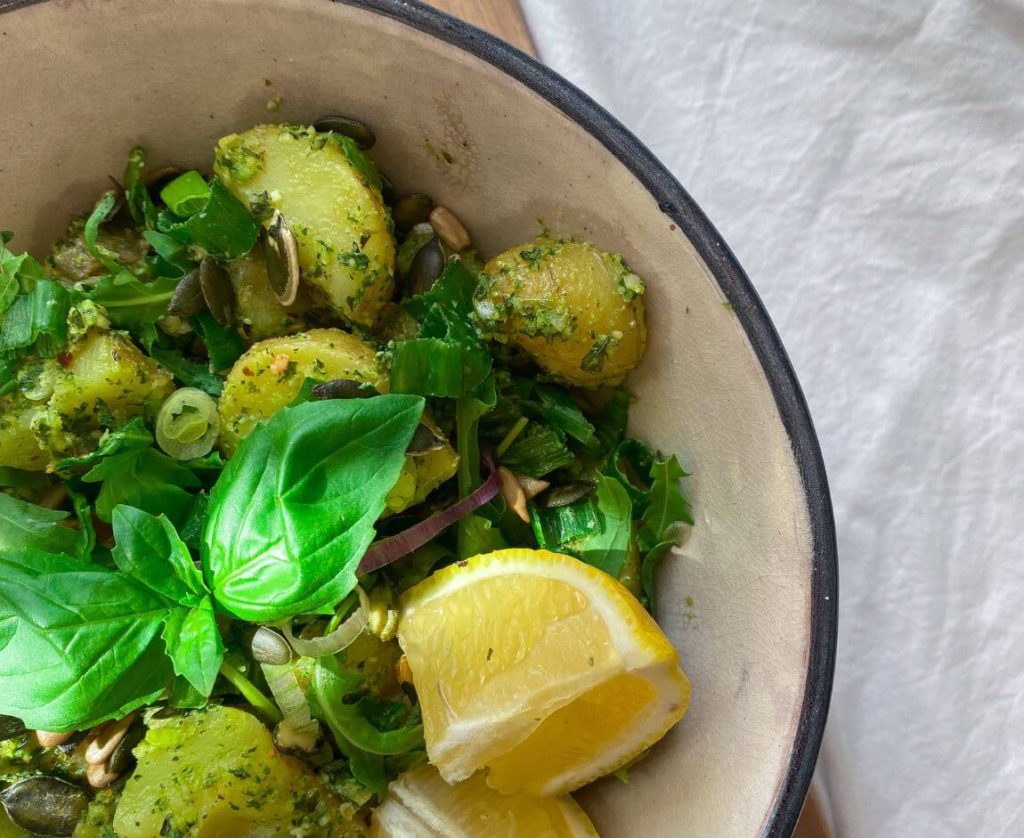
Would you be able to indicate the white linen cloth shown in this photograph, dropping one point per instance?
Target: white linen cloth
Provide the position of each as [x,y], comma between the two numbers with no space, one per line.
[863,159]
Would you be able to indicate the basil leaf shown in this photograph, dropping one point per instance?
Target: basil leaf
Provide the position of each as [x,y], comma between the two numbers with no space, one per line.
[25,526]
[148,549]
[669,508]
[436,367]
[130,437]
[145,479]
[188,372]
[293,511]
[79,644]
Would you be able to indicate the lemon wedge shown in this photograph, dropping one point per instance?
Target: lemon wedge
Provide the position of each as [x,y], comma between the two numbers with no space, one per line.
[422,805]
[539,668]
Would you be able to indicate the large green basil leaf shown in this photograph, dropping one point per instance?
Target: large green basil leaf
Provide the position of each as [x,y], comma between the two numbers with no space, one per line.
[27,526]
[148,549]
[146,479]
[79,644]
[293,512]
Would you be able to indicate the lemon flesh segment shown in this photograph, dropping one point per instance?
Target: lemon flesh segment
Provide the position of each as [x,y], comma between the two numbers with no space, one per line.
[538,667]
[422,805]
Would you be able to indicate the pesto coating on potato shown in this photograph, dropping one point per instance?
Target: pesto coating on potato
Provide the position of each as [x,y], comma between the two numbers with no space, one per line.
[340,221]
[576,310]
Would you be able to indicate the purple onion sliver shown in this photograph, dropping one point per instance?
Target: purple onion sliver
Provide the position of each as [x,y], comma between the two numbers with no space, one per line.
[387,550]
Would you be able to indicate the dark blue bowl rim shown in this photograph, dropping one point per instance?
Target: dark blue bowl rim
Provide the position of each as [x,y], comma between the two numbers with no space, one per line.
[676,203]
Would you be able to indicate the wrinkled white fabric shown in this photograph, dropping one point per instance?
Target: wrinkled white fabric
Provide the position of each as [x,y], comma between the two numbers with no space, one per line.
[864,161]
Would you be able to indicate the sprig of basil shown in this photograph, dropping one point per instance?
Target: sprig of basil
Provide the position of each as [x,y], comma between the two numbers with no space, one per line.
[293,512]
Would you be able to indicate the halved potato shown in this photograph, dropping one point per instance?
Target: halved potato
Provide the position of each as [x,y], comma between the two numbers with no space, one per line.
[343,228]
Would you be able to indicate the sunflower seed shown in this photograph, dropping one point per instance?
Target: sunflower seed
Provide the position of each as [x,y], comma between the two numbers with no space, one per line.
[452,231]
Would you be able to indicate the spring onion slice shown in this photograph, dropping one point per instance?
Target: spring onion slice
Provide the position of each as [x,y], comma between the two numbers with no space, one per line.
[187,194]
[332,643]
[187,425]
[298,729]
[387,550]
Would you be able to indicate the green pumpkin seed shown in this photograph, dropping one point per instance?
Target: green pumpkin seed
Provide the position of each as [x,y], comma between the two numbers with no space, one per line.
[358,131]
[567,493]
[188,296]
[343,388]
[282,258]
[424,440]
[122,759]
[45,805]
[427,265]
[218,292]
[410,210]
[10,728]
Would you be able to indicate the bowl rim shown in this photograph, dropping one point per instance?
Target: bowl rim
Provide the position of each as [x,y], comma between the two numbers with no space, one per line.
[677,205]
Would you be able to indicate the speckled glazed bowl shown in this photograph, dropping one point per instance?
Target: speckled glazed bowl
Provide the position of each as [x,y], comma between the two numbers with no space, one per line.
[751,599]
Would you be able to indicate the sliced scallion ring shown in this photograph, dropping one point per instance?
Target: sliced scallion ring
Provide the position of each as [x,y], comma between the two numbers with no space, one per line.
[343,636]
[187,425]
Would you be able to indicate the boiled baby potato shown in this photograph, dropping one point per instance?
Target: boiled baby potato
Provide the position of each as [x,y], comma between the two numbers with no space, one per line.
[216,773]
[104,381]
[343,228]
[63,405]
[576,310]
[270,375]
[257,310]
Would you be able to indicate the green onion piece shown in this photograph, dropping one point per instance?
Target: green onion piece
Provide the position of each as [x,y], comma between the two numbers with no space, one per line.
[298,729]
[555,528]
[341,637]
[437,367]
[103,210]
[140,203]
[224,227]
[540,450]
[187,194]
[187,425]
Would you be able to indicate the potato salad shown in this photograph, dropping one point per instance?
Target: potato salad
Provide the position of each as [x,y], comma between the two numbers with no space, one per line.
[315,521]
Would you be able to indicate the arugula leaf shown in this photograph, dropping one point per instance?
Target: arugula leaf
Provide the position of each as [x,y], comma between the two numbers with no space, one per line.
[224,345]
[172,257]
[669,508]
[188,372]
[130,437]
[293,512]
[140,202]
[25,526]
[79,644]
[148,549]
[539,451]
[610,422]
[145,479]
[453,290]
[597,529]
[630,463]
[132,304]
[224,227]
[101,212]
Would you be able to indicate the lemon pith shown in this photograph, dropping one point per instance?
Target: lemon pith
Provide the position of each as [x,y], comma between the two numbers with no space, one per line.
[539,668]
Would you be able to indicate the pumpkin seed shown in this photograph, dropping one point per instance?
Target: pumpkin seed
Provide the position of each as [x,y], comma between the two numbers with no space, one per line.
[10,728]
[343,388]
[45,805]
[424,440]
[267,646]
[123,758]
[218,291]
[410,210]
[282,257]
[452,231]
[352,128]
[187,298]
[568,493]
[427,265]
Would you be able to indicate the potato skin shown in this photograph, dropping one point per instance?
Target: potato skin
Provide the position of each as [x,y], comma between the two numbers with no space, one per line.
[259,314]
[343,228]
[101,381]
[270,374]
[576,310]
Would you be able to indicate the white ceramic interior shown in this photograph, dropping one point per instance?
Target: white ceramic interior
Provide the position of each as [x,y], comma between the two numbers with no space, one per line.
[750,599]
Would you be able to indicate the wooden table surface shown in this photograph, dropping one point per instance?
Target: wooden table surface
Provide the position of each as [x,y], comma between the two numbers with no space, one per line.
[504,18]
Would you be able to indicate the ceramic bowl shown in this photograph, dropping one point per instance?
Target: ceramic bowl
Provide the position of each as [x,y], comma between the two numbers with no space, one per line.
[750,601]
